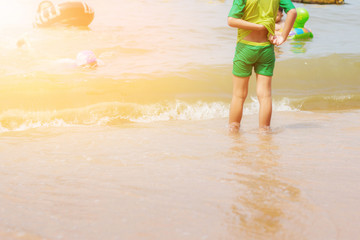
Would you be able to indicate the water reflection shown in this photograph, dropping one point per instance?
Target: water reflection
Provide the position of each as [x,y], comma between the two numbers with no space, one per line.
[278,51]
[264,197]
[298,46]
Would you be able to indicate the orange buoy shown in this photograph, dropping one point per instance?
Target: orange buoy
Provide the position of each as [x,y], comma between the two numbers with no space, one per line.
[64,14]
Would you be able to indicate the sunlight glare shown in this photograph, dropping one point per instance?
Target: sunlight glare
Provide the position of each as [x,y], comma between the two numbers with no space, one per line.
[16,12]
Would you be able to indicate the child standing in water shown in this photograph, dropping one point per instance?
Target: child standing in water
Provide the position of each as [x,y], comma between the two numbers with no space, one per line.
[255,20]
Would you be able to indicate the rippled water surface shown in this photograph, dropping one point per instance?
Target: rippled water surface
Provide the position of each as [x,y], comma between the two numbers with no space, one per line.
[138,148]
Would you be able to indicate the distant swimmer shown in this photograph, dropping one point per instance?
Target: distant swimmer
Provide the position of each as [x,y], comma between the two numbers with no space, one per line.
[23,42]
[84,60]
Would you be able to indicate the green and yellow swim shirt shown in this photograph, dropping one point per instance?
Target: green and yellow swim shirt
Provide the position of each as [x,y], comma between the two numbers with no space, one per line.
[260,12]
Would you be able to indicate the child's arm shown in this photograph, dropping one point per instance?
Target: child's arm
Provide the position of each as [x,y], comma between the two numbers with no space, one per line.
[289,22]
[279,26]
[239,23]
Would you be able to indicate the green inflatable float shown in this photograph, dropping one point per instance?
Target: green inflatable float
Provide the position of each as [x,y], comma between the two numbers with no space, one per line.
[300,31]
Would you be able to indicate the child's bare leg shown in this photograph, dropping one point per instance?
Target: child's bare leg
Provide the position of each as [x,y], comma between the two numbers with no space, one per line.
[240,91]
[263,91]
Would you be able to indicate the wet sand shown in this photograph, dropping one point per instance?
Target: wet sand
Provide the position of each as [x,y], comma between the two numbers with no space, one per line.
[184,180]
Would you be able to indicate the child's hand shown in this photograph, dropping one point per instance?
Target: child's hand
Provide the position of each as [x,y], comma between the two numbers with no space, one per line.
[279,40]
[276,39]
[272,39]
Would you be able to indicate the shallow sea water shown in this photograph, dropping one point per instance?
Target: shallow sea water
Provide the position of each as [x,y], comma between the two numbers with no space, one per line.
[138,148]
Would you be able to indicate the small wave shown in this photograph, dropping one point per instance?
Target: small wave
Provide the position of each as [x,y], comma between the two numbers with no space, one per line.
[180,110]
[334,102]
[115,113]
[279,105]
[112,113]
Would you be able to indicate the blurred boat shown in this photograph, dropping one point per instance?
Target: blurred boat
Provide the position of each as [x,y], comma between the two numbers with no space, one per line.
[320,1]
[63,14]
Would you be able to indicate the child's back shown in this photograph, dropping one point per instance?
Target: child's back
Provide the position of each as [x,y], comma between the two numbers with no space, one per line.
[261,12]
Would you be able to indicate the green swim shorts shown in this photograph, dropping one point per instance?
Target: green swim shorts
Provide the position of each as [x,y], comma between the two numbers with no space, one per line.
[262,58]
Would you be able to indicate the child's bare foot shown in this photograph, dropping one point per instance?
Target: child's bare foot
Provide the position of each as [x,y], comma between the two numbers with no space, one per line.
[234,127]
[264,129]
